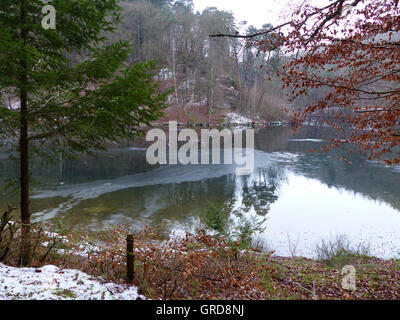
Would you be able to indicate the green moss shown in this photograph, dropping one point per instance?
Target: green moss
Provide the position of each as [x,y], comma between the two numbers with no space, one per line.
[65,293]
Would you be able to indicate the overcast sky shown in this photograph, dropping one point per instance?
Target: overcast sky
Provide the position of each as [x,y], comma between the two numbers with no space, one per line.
[255,12]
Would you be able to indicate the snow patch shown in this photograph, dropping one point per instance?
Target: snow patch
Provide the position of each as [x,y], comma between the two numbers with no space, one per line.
[306,140]
[53,283]
[237,118]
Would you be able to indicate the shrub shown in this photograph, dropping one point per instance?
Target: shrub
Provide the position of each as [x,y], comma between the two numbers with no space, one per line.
[339,252]
[240,232]
[217,220]
[7,233]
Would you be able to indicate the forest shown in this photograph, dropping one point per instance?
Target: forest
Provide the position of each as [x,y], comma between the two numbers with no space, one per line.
[207,77]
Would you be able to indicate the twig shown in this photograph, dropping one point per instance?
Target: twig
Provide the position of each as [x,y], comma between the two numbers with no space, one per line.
[222,35]
[308,290]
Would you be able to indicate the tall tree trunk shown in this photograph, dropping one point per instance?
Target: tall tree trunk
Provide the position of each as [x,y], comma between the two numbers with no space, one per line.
[211,107]
[211,102]
[258,105]
[192,99]
[26,255]
[239,76]
[174,76]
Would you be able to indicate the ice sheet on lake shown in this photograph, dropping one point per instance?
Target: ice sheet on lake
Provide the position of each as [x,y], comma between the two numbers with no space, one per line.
[168,174]
[306,140]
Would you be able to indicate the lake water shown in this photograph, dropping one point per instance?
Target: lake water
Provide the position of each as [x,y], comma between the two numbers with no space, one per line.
[305,196]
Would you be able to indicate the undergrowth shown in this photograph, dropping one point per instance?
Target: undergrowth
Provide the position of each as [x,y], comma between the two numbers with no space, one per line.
[339,252]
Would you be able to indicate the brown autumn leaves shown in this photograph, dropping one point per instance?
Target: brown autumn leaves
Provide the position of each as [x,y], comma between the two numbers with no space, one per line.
[352,48]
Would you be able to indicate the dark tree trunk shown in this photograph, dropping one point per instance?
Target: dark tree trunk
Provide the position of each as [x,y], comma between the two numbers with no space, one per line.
[26,255]
[24,163]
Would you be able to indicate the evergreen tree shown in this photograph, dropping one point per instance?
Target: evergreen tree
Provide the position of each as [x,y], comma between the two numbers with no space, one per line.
[51,103]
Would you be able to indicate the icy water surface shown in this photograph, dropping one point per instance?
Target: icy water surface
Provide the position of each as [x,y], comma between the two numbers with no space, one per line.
[305,196]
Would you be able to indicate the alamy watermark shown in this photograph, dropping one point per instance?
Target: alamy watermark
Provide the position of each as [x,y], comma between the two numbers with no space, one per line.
[188,153]
[49,20]
[349,278]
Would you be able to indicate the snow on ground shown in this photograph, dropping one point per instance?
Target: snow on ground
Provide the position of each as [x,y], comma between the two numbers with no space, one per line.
[237,118]
[53,283]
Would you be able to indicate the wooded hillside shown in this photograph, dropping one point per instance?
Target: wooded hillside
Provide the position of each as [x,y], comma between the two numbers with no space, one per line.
[208,77]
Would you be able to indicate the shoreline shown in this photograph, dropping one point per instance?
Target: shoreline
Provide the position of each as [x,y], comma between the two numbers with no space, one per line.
[289,279]
[196,267]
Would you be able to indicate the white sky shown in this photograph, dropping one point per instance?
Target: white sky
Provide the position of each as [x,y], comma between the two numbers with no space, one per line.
[255,12]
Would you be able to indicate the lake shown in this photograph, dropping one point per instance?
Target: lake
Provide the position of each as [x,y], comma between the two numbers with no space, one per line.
[305,196]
